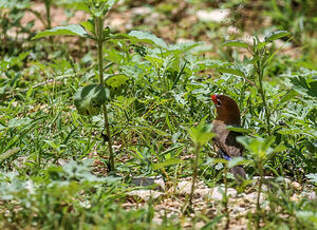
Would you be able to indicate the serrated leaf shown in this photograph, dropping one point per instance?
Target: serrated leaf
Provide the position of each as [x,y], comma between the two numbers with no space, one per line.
[276,35]
[236,43]
[147,37]
[72,30]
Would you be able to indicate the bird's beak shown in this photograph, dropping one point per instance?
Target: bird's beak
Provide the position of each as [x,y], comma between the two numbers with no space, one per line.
[214,98]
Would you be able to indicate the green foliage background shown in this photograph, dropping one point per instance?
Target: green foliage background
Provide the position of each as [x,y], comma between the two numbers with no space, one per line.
[158,90]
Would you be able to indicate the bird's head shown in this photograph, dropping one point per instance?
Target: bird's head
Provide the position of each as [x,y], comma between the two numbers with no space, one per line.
[227,109]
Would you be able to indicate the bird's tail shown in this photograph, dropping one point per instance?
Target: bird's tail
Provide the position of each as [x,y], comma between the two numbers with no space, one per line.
[239,173]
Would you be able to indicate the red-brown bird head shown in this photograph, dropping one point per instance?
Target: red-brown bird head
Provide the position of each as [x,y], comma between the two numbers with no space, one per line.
[227,109]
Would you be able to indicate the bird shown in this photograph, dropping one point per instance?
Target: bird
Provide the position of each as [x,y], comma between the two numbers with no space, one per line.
[224,141]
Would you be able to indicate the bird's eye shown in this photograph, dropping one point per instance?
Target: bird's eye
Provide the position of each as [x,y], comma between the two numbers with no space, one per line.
[218,102]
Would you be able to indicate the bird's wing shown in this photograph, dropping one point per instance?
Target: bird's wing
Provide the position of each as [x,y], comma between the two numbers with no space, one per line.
[225,140]
[232,147]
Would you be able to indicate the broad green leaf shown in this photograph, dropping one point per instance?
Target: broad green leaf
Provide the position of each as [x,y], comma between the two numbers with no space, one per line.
[89,99]
[276,35]
[235,161]
[89,26]
[171,161]
[147,37]
[201,134]
[117,80]
[258,146]
[236,43]
[72,30]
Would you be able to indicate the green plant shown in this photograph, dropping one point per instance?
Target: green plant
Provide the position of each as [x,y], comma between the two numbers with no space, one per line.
[87,101]
[200,136]
[262,56]
[261,151]
[295,16]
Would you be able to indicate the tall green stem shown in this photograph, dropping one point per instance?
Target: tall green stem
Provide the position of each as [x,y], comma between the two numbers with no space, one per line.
[100,39]
[260,72]
[225,198]
[48,14]
[258,207]
[195,167]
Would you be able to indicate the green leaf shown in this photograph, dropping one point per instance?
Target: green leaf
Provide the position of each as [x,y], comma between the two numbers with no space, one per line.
[238,129]
[9,153]
[116,80]
[15,122]
[276,35]
[72,30]
[312,177]
[201,134]
[141,36]
[236,43]
[11,4]
[307,87]
[171,161]
[89,99]
[89,26]
[231,71]
[258,146]
[307,216]
[171,150]
[236,161]
[74,4]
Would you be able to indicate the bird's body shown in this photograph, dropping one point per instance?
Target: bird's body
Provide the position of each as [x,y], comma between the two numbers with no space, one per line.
[225,142]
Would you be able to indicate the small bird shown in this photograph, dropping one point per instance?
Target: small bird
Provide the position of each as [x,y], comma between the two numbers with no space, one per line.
[225,142]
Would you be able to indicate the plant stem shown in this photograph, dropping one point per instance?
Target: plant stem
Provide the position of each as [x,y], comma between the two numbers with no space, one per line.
[260,72]
[48,17]
[195,167]
[225,198]
[99,33]
[258,207]
[48,14]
